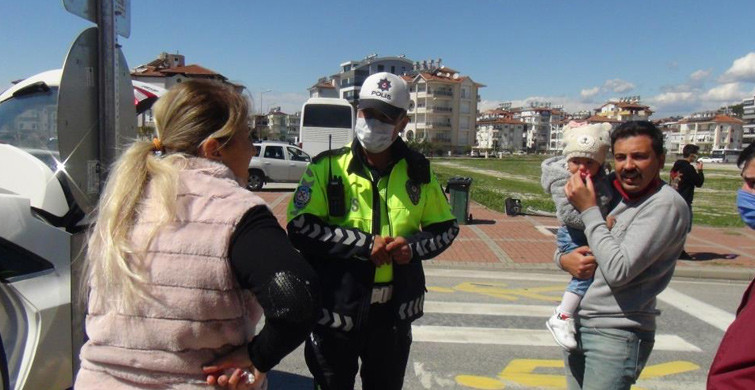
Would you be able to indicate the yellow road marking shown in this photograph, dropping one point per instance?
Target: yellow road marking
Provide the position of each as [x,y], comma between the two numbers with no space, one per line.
[521,372]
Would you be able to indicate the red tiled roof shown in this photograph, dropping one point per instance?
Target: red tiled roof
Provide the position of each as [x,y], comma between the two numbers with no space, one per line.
[601,119]
[323,85]
[503,121]
[192,69]
[627,105]
[189,70]
[719,118]
[727,119]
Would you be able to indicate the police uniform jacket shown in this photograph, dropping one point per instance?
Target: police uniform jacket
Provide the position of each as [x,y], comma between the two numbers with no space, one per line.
[405,200]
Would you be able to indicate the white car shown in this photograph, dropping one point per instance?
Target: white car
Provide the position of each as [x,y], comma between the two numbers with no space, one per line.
[276,162]
[716,160]
[43,230]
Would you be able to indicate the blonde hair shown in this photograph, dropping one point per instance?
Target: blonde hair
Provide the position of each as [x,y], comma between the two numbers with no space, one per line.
[186,116]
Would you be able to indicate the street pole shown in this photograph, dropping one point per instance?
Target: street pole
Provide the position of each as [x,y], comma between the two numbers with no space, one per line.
[108,91]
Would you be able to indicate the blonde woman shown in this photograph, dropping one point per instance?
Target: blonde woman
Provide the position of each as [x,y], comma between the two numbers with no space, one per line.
[183,261]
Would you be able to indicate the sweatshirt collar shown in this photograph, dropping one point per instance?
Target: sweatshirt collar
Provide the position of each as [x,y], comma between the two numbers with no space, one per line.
[654,186]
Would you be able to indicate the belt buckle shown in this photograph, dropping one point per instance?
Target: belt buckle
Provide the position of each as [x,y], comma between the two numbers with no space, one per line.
[381,294]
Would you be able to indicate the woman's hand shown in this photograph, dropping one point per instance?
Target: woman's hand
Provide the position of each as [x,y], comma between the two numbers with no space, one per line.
[235,371]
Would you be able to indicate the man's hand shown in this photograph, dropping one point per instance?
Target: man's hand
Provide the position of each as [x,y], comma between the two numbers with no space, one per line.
[581,194]
[699,166]
[579,262]
[380,254]
[400,251]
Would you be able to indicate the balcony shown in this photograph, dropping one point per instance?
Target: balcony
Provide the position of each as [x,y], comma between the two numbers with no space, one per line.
[447,110]
[441,92]
[439,125]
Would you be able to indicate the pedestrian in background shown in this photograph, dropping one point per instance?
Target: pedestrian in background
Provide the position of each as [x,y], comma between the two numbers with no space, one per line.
[684,178]
[183,260]
[632,262]
[365,216]
[734,364]
[585,150]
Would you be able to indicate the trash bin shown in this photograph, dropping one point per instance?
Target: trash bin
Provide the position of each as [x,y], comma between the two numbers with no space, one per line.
[458,187]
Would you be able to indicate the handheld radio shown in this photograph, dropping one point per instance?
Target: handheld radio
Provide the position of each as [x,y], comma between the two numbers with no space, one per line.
[336,199]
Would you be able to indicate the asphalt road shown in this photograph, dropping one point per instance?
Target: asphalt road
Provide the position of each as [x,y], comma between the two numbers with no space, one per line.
[485,330]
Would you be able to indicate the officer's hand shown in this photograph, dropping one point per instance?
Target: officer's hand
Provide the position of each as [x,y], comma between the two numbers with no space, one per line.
[400,251]
[579,262]
[379,254]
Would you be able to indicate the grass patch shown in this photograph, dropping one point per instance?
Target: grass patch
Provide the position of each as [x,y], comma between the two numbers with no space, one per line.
[494,180]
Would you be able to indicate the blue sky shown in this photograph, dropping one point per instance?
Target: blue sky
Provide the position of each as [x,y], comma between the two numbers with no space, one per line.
[680,56]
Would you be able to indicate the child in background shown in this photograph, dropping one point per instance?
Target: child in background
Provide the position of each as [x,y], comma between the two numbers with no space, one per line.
[585,150]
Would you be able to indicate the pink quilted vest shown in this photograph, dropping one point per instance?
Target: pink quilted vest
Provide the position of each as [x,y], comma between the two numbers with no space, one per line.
[202,313]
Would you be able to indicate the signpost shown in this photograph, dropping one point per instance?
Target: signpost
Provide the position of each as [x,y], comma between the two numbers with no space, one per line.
[112,17]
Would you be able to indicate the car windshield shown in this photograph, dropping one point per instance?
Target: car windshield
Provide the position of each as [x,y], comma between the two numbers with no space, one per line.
[30,121]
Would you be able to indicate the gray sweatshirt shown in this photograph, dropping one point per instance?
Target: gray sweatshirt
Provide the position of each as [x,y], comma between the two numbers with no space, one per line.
[636,259]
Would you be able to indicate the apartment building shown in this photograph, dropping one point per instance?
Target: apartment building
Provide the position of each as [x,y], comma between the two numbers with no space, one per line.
[348,81]
[625,109]
[748,127]
[541,118]
[709,131]
[282,126]
[445,107]
[324,88]
[497,132]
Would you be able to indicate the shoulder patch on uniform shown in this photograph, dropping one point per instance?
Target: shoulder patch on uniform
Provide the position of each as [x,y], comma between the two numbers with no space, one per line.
[331,152]
[414,190]
[302,196]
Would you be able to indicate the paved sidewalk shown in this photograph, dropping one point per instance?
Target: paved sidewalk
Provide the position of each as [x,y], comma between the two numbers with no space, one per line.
[494,240]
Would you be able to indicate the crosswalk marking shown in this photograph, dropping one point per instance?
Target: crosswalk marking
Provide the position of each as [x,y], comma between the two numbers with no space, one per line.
[493,309]
[721,319]
[528,337]
[497,275]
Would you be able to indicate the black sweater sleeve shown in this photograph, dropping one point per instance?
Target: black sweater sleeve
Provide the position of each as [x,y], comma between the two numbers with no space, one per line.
[285,286]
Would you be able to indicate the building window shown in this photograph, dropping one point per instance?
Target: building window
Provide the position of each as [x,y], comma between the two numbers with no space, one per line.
[381,68]
[393,69]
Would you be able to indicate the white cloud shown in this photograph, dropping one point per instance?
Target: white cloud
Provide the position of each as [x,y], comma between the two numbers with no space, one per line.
[674,98]
[700,75]
[618,85]
[729,92]
[742,70]
[589,93]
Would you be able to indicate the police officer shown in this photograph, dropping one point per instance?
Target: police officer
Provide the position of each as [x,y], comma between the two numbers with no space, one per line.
[364,216]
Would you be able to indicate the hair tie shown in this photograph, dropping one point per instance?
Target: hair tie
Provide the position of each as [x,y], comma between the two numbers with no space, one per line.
[157,147]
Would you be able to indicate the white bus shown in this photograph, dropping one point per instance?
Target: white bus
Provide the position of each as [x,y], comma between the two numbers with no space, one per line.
[724,155]
[323,117]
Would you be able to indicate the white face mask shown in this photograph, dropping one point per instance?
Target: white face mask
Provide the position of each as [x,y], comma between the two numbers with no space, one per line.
[374,135]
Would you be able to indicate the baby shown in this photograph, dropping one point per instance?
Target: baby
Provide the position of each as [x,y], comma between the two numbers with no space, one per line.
[585,150]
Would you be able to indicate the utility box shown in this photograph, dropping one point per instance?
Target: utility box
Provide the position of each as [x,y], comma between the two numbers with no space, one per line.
[458,187]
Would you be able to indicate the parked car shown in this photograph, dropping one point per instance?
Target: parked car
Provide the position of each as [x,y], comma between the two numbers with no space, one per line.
[716,160]
[276,162]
